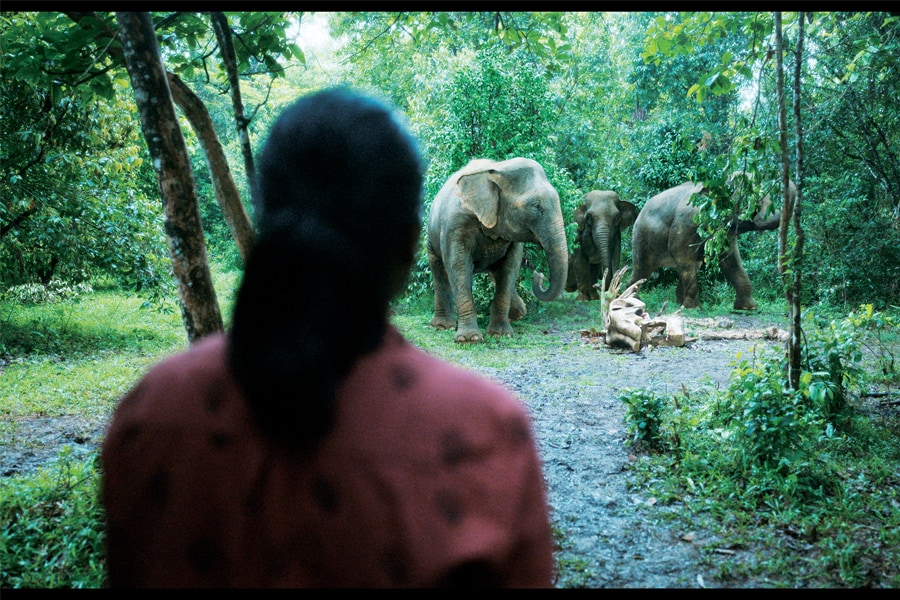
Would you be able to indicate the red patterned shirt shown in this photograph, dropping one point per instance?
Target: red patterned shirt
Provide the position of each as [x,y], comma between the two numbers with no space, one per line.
[429,477]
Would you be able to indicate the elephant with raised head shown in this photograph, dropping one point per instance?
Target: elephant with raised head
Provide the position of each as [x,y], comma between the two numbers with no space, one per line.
[601,218]
[479,222]
[665,235]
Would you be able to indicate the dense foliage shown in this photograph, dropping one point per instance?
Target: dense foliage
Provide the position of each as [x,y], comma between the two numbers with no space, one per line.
[634,102]
[78,195]
[53,532]
[758,453]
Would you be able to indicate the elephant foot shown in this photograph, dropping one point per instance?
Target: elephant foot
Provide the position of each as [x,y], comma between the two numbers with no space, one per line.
[689,303]
[592,295]
[741,304]
[441,323]
[500,329]
[517,309]
[468,335]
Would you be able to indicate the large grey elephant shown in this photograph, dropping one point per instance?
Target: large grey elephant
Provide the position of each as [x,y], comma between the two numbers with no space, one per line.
[665,235]
[479,222]
[601,218]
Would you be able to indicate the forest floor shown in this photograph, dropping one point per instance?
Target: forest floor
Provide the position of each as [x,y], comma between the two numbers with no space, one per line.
[610,535]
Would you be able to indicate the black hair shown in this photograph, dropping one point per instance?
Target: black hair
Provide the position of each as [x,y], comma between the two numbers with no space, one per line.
[338,209]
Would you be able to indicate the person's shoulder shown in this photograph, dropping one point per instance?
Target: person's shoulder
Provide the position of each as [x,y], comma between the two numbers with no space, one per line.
[179,375]
[203,354]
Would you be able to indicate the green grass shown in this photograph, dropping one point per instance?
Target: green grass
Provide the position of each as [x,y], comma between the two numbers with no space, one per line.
[52,532]
[86,385]
[528,343]
[78,357]
[716,300]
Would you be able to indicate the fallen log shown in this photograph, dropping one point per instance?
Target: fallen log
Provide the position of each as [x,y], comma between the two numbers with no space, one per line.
[771,333]
[666,330]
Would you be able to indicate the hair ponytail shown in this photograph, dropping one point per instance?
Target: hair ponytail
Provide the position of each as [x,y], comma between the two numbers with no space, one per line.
[337,178]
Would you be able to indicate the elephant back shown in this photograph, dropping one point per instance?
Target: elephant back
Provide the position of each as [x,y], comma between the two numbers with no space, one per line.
[669,206]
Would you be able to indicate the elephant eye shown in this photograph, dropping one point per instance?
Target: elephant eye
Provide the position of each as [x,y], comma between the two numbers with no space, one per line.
[536,206]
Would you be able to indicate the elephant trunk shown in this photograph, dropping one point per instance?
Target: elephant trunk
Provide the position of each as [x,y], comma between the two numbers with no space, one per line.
[601,240]
[761,222]
[765,220]
[557,251]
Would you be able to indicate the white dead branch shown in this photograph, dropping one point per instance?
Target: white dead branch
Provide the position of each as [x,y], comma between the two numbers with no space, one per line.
[629,326]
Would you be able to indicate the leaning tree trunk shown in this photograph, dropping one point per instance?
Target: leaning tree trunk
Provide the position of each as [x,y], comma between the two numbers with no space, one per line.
[184,233]
[226,46]
[227,195]
[223,183]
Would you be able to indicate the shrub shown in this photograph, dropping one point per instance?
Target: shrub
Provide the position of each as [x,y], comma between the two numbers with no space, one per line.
[643,416]
[52,532]
[770,421]
[54,291]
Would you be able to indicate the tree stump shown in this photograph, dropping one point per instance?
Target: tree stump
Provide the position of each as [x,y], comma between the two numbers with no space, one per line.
[629,326]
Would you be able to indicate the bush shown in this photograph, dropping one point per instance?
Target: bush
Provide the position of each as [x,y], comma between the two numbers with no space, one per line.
[53,532]
[54,291]
[643,416]
[770,421]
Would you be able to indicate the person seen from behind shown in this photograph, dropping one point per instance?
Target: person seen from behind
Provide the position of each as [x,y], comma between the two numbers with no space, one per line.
[312,445]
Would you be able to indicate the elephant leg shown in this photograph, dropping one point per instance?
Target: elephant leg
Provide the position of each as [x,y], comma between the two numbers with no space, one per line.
[505,273]
[467,329]
[642,266]
[596,277]
[443,298]
[688,291]
[571,280]
[517,308]
[586,277]
[733,269]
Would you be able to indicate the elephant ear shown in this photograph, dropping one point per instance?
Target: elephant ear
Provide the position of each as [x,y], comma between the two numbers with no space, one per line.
[742,184]
[480,195]
[579,215]
[627,214]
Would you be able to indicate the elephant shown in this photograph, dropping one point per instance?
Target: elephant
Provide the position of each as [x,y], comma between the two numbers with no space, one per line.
[479,222]
[665,235]
[601,218]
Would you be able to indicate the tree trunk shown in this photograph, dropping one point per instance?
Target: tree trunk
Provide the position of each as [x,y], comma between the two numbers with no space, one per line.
[784,253]
[226,46]
[227,194]
[795,347]
[184,234]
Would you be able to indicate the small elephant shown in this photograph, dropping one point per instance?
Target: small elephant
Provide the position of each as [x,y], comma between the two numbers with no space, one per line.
[665,235]
[479,222]
[601,218]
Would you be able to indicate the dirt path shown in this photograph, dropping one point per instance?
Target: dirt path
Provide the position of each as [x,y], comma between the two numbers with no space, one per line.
[615,537]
